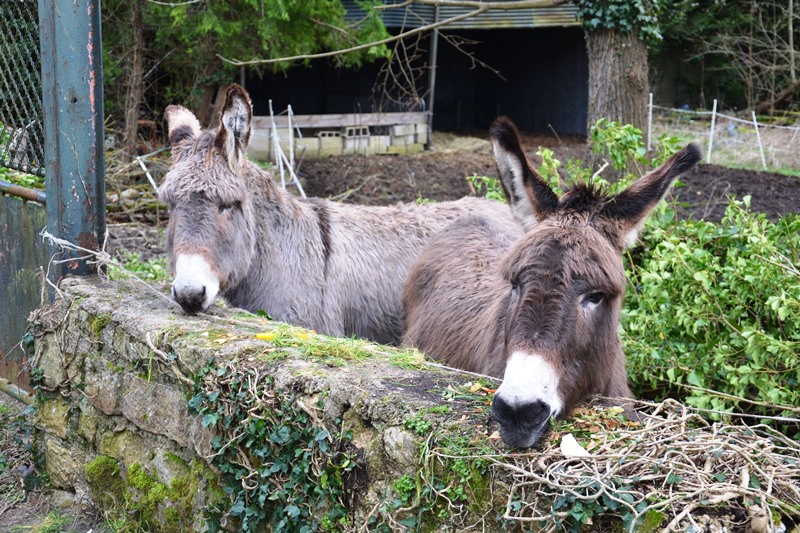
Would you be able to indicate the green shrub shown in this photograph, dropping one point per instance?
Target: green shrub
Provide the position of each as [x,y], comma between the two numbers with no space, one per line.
[487,187]
[716,308]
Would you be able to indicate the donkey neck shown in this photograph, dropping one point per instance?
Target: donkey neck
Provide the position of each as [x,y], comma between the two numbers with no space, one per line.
[289,263]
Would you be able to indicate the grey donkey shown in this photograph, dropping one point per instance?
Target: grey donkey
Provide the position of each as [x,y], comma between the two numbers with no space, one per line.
[336,268]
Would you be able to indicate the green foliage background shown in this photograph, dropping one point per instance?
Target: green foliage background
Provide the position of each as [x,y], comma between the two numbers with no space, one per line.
[716,307]
[187,41]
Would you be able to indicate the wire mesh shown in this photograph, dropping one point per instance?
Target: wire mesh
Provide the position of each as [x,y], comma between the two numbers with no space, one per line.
[21,114]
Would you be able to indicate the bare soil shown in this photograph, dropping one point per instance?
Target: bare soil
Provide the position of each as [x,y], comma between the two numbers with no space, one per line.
[441,173]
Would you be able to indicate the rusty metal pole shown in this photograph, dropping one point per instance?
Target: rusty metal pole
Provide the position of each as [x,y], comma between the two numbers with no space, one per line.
[72,96]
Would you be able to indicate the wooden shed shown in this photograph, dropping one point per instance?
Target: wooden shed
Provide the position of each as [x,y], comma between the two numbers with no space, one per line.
[539,72]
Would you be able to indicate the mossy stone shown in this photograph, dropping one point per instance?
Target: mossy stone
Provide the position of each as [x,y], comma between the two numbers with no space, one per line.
[105,480]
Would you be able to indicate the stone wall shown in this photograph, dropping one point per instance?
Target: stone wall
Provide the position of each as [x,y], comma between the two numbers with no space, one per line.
[117,367]
[231,421]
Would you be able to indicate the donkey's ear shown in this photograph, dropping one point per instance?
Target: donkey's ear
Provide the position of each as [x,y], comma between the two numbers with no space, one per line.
[234,132]
[182,127]
[530,197]
[629,209]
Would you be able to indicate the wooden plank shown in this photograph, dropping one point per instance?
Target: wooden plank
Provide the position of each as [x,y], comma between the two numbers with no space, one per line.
[342,120]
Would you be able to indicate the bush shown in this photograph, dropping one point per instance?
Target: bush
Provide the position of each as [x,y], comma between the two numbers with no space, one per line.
[714,311]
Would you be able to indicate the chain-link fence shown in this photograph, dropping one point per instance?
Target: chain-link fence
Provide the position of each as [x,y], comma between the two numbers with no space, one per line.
[21,115]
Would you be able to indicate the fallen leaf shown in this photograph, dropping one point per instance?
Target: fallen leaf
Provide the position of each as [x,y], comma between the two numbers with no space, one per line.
[265,336]
[475,387]
[495,435]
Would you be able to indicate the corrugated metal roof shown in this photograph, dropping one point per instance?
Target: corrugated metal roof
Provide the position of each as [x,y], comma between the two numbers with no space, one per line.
[415,16]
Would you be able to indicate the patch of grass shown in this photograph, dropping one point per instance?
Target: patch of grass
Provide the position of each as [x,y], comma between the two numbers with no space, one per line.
[150,270]
[335,351]
[53,522]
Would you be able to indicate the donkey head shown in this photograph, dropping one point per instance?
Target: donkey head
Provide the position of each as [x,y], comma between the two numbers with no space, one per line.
[565,286]
[210,236]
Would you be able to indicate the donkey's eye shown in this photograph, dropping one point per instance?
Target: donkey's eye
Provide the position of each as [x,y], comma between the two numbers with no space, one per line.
[593,298]
[227,207]
[514,288]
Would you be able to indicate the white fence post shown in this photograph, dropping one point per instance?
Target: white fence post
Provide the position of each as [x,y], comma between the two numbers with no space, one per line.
[649,122]
[276,146]
[711,133]
[760,146]
[289,116]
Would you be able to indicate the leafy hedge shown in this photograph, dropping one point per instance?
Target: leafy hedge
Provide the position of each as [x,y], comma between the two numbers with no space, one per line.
[716,307]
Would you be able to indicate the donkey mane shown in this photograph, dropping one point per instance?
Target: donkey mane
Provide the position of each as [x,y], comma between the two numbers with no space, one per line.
[584,197]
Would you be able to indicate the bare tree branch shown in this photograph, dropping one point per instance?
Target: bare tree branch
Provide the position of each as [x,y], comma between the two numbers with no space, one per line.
[764,58]
[479,7]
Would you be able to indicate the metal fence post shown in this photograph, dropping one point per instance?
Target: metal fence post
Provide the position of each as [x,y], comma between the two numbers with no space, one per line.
[711,132]
[72,94]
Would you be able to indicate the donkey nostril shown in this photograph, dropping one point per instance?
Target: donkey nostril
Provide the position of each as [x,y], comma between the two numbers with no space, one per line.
[531,414]
[501,409]
[203,292]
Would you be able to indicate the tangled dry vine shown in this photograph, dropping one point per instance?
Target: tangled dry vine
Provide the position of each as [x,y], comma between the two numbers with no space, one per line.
[674,466]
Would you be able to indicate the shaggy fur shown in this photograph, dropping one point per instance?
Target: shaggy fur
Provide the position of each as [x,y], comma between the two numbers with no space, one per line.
[332,267]
[484,290]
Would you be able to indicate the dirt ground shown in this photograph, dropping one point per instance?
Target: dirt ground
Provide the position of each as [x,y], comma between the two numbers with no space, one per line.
[439,174]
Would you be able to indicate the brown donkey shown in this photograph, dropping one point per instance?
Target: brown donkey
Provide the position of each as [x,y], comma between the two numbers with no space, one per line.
[538,307]
[337,268]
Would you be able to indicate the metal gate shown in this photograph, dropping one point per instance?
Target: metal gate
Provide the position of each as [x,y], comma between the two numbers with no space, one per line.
[51,125]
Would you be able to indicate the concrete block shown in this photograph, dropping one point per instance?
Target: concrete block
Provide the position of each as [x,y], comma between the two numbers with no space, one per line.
[402,130]
[330,143]
[422,133]
[260,148]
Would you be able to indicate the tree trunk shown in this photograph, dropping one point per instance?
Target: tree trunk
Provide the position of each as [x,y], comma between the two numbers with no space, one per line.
[133,97]
[617,78]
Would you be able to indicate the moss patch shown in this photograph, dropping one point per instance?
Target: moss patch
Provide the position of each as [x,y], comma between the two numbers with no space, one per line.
[99,323]
[140,501]
[105,480]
